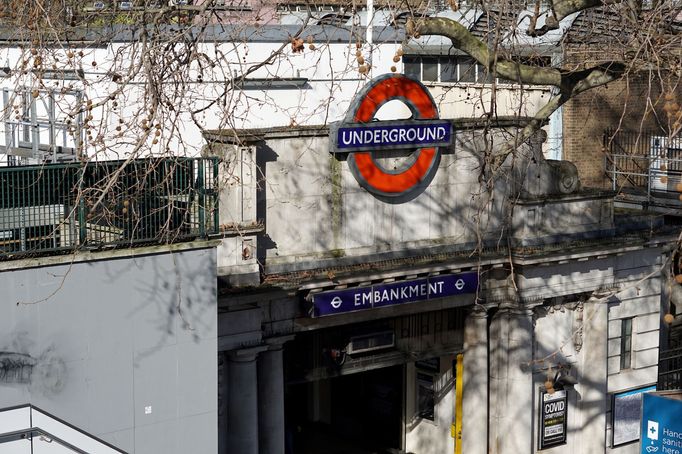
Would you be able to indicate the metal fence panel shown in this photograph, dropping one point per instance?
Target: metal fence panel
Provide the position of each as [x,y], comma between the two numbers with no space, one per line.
[57,207]
[643,162]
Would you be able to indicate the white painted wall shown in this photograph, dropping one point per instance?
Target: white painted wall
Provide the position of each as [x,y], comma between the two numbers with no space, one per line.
[423,436]
[561,338]
[330,68]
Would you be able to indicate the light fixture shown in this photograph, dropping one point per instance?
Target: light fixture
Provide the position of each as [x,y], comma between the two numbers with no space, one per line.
[562,379]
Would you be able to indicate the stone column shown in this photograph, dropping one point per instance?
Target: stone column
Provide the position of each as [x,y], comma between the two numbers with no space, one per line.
[222,402]
[511,381]
[271,397]
[242,401]
[475,381]
[592,381]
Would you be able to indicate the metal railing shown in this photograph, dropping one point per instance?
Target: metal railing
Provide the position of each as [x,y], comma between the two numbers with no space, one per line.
[669,369]
[38,127]
[645,163]
[28,429]
[56,207]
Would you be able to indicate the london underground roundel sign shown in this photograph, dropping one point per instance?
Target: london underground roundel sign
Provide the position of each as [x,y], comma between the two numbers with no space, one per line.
[360,136]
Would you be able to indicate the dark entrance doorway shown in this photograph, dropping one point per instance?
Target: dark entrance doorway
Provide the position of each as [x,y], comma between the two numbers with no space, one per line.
[360,413]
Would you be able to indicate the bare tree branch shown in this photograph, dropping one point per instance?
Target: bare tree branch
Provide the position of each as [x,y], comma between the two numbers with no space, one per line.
[569,83]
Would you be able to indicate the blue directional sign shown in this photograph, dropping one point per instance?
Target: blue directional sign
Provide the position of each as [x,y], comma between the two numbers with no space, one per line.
[360,298]
[393,135]
[661,425]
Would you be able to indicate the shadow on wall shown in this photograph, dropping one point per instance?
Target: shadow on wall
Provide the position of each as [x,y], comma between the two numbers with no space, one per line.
[307,183]
[99,309]
[172,300]
[47,371]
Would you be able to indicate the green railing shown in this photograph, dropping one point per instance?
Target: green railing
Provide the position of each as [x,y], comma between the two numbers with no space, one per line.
[57,207]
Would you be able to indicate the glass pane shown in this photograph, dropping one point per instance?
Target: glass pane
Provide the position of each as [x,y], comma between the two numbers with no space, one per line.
[425,396]
[448,69]
[627,344]
[484,76]
[430,66]
[625,361]
[627,327]
[467,70]
[412,67]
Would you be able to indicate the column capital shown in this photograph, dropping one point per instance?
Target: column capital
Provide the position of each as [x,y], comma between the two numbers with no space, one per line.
[245,355]
[509,305]
[478,311]
[277,343]
[515,308]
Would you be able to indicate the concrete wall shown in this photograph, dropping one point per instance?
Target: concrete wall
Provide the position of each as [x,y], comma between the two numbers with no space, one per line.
[298,179]
[123,348]
[576,336]
[641,300]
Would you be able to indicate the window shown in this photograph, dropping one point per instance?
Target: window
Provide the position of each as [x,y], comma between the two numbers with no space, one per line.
[466,69]
[448,71]
[626,343]
[425,401]
[445,69]
[412,67]
[457,68]
[430,69]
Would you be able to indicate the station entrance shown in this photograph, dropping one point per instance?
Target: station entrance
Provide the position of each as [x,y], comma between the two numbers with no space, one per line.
[356,413]
[382,386]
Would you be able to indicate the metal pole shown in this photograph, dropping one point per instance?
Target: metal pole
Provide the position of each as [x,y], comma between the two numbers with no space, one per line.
[35,133]
[202,197]
[370,20]
[369,31]
[82,234]
[52,119]
[216,196]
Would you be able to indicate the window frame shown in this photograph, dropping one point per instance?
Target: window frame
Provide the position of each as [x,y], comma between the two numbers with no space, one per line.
[626,337]
[615,423]
[425,396]
[480,75]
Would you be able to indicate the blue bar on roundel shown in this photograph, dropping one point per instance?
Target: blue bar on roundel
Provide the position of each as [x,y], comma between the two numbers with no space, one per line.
[365,137]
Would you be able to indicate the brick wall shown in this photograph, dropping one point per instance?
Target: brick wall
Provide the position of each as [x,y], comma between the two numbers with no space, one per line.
[634,104]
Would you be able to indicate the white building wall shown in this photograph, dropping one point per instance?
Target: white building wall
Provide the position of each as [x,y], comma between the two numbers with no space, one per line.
[640,300]
[123,347]
[561,341]
[330,69]
[303,181]
[424,436]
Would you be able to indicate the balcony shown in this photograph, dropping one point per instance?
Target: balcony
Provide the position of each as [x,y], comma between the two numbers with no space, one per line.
[61,207]
[645,169]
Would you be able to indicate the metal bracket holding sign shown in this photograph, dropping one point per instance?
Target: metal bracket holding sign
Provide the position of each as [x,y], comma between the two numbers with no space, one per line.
[359,135]
[553,418]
